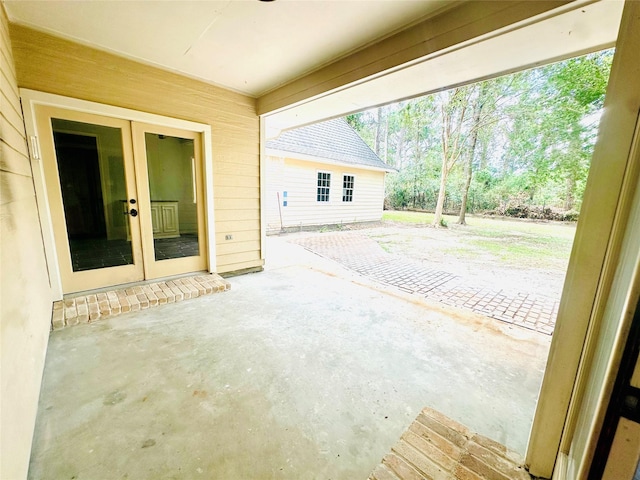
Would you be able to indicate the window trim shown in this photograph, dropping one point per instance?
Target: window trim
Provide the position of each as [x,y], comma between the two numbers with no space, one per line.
[318,186]
[353,186]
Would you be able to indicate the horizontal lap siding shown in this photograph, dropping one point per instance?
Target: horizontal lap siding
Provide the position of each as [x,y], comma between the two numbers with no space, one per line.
[25,298]
[53,65]
[300,183]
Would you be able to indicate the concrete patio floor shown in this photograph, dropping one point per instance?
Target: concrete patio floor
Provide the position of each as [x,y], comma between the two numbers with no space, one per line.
[302,371]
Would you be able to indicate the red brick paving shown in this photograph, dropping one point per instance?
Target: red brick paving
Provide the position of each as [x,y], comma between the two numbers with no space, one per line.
[93,306]
[436,447]
[366,257]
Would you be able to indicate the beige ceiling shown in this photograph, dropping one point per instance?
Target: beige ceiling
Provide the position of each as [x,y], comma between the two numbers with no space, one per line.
[309,60]
[245,45]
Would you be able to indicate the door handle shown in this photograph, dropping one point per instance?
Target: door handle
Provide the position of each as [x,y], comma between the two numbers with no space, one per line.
[133,212]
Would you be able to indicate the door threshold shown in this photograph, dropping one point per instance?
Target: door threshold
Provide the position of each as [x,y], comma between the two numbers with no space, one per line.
[90,306]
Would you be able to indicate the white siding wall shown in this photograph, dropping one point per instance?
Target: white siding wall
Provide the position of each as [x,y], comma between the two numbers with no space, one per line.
[299,180]
[275,185]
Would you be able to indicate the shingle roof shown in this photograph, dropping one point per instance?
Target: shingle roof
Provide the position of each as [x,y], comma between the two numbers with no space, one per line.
[332,140]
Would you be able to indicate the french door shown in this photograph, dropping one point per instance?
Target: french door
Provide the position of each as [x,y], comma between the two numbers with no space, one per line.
[126,198]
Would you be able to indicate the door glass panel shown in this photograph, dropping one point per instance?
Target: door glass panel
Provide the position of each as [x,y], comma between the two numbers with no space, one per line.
[92,179]
[172,189]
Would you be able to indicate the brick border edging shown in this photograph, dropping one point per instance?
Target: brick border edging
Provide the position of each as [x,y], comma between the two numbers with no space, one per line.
[95,306]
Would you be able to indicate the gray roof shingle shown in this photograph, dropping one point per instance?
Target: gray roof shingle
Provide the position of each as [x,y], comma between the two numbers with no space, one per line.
[332,140]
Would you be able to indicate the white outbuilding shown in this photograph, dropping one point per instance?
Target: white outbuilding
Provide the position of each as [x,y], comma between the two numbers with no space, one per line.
[322,174]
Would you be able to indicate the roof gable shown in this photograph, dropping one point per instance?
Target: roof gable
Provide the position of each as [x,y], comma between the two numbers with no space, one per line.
[333,140]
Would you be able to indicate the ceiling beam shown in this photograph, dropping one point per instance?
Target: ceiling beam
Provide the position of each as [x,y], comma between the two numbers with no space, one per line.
[461,23]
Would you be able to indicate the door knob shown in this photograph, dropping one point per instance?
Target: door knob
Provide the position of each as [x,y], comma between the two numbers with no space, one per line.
[133,212]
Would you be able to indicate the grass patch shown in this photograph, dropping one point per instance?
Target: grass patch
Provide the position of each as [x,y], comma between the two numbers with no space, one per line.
[463,252]
[509,242]
[407,217]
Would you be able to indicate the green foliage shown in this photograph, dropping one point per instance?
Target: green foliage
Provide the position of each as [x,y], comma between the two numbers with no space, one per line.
[527,138]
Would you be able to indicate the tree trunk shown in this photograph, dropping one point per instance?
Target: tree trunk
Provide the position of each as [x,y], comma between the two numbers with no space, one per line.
[379,130]
[569,199]
[400,150]
[452,112]
[437,219]
[477,111]
[465,193]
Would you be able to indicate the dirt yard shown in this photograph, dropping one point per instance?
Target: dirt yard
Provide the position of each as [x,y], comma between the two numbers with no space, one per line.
[508,254]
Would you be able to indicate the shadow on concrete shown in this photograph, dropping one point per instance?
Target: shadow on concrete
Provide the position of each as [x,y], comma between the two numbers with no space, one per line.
[303,371]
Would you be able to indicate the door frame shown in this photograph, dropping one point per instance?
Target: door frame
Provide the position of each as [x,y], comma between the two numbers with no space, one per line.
[32,98]
[559,442]
[96,277]
[167,267]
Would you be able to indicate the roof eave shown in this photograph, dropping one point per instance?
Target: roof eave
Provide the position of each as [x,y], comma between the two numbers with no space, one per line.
[312,158]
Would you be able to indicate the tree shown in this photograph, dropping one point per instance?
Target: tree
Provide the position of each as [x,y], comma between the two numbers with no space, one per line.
[479,107]
[454,113]
[521,139]
[554,126]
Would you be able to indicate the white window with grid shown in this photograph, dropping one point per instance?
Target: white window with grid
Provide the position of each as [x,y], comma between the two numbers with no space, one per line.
[324,186]
[347,188]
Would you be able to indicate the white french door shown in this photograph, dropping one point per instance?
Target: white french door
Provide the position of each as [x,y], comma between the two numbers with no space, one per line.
[126,198]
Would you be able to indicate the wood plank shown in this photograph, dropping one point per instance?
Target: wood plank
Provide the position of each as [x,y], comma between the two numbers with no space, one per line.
[245,236]
[233,258]
[237,215]
[11,136]
[235,181]
[234,246]
[236,203]
[14,161]
[15,188]
[237,157]
[237,226]
[11,111]
[7,83]
[228,168]
[5,42]
[6,60]
[237,193]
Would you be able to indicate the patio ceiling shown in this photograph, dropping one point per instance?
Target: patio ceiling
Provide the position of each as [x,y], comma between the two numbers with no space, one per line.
[469,51]
[248,46]
[306,61]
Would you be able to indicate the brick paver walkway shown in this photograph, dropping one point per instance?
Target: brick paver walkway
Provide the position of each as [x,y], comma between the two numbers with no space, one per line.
[365,256]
